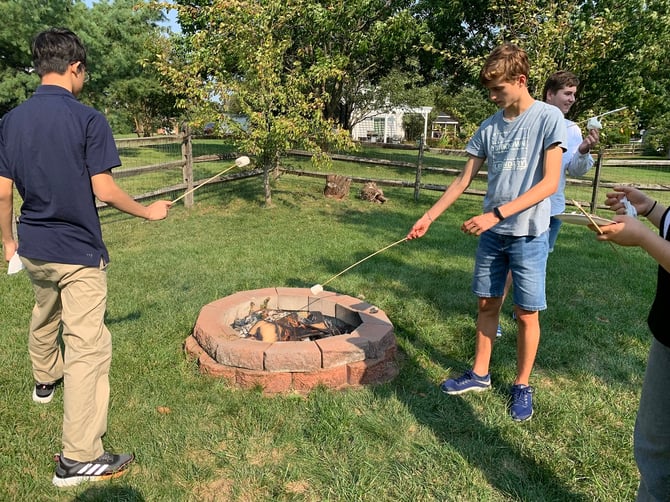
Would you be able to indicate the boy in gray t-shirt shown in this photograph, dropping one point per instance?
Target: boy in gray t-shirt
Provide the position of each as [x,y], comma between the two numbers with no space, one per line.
[523,145]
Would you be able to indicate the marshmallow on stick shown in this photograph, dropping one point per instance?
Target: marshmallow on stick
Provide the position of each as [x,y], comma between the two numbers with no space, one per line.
[239,162]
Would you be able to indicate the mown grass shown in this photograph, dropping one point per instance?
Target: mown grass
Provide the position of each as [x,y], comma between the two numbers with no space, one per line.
[403,440]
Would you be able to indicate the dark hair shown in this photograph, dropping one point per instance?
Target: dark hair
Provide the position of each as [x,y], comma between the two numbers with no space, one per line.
[506,62]
[55,49]
[559,80]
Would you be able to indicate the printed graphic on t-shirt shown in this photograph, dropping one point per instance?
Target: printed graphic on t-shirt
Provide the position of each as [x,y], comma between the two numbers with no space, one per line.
[509,153]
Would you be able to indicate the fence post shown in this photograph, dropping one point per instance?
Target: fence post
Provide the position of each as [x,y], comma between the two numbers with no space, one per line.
[419,165]
[596,181]
[187,157]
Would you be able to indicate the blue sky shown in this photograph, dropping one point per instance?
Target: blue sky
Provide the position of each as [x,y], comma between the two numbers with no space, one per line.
[172,16]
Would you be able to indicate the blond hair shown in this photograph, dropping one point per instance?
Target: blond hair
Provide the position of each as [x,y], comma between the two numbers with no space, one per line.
[506,63]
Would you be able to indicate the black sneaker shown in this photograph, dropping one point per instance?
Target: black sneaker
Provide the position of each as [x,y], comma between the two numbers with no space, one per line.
[44,392]
[106,466]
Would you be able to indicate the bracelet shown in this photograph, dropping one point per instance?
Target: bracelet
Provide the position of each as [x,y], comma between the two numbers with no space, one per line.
[652,208]
[498,214]
[431,219]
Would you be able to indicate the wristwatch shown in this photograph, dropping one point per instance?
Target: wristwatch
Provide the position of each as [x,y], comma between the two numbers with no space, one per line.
[498,214]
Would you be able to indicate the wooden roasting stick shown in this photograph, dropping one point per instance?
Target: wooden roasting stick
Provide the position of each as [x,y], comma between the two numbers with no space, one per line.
[594,224]
[318,288]
[587,215]
[239,162]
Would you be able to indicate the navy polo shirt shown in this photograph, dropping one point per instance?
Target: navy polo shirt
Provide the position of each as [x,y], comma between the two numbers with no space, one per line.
[50,146]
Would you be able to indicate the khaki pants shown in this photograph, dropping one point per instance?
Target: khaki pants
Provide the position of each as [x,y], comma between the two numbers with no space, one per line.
[73,298]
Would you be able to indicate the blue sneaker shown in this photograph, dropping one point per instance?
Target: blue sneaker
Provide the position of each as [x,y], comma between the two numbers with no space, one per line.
[521,408]
[467,382]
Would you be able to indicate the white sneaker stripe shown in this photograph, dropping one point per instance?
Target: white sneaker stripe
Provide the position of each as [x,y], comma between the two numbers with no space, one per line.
[102,469]
[84,468]
[92,469]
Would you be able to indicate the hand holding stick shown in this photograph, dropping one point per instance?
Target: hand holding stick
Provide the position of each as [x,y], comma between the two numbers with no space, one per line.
[593,223]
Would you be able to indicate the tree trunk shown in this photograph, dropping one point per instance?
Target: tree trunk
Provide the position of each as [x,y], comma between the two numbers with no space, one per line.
[267,189]
[337,187]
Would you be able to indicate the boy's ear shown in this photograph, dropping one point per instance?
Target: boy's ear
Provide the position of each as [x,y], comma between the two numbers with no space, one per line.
[523,80]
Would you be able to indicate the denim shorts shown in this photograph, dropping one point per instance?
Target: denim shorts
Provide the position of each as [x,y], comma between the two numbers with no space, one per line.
[525,256]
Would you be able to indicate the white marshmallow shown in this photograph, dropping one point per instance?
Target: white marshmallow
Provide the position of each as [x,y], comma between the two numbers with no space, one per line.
[316,289]
[242,161]
[593,123]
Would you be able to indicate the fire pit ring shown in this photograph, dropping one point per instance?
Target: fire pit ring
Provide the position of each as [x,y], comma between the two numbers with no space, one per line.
[363,357]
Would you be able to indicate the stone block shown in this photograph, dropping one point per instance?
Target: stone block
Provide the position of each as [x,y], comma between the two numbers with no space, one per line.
[333,378]
[373,371]
[293,357]
[270,382]
[343,349]
[242,353]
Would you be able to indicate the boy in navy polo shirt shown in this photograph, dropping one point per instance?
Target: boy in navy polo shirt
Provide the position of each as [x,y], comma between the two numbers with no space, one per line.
[60,153]
[522,145]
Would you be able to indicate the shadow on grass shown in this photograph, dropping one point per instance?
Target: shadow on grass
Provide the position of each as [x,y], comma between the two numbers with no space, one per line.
[109,494]
[452,419]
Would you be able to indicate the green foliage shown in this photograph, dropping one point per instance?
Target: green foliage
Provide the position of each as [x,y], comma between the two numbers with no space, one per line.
[656,139]
[619,49]
[413,125]
[120,37]
[270,64]
[23,19]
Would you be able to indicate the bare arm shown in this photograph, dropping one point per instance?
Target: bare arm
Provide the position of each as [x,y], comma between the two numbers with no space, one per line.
[546,187]
[453,192]
[107,191]
[6,213]
[629,231]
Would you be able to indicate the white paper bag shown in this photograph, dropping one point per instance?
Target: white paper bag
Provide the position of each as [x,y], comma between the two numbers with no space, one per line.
[15,264]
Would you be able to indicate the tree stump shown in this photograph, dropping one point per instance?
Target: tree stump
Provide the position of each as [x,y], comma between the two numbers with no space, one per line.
[371,192]
[337,186]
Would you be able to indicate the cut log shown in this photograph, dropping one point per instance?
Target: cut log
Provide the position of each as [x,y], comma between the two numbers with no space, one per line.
[371,192]
[337,186]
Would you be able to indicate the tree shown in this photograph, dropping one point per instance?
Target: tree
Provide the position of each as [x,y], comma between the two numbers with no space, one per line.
[122,39]
[294,67]
[23,19]
[372,44]
[619,48]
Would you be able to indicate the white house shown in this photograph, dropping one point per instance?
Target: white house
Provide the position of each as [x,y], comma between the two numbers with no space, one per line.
[386,126]
[442,124]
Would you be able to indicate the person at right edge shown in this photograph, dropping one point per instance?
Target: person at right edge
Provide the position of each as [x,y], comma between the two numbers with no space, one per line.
[651,438]
[522,144]
[60,153]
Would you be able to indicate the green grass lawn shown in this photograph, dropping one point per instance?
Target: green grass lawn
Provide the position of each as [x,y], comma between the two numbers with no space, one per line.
[403,440]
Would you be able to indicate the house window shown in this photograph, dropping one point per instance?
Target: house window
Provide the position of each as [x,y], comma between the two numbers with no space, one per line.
[379,127]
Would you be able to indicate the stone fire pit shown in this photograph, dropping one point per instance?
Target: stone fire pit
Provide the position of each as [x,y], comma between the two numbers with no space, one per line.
[364,356]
